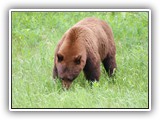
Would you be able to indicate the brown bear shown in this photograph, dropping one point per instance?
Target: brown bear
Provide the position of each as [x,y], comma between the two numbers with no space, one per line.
[83,47]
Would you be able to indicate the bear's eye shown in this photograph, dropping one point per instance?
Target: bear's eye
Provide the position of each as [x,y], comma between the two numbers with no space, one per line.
[60,57]
[78,60]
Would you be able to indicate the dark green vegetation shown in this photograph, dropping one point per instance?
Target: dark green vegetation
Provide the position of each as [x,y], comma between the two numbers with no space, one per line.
[34,37]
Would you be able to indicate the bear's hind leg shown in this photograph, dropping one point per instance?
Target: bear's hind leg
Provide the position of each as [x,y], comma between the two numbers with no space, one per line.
[110,65]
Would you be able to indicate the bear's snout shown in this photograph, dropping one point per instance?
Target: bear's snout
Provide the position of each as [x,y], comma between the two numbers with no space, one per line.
[66,84]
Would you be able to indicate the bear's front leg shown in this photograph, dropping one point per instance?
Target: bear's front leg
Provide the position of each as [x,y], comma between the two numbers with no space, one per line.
[92,70]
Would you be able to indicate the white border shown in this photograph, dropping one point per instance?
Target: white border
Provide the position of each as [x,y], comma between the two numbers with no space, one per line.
[10,38]
[79,10]
[150,59]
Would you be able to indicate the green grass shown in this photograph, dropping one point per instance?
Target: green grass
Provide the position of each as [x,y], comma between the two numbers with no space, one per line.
[34,37]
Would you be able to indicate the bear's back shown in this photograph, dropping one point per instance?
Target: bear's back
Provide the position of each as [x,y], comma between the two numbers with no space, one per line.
[91,34]
[103,33]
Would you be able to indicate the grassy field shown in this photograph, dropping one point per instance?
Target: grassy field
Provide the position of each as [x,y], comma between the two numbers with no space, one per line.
[34,37]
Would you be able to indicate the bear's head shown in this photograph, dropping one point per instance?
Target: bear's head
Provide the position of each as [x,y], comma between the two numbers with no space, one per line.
[70,61]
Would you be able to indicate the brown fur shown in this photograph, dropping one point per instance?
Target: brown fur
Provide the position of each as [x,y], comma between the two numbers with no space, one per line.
[83,47]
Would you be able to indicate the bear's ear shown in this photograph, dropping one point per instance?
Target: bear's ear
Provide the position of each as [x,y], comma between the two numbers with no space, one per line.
[77,59]
[60,57]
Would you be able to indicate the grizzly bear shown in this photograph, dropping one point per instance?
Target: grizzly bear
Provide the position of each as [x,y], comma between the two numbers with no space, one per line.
[83,47]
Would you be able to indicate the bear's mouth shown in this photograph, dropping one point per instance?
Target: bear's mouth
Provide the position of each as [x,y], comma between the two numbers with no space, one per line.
[66,84]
